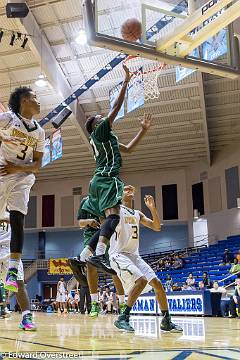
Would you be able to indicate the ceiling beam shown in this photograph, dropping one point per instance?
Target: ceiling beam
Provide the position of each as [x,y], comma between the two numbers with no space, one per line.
[204,117]
[43,52]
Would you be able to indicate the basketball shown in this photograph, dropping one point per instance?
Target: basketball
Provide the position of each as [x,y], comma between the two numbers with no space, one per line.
[131,30]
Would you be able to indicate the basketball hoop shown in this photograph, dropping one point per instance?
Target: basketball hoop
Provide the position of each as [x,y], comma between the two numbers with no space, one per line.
[145,74]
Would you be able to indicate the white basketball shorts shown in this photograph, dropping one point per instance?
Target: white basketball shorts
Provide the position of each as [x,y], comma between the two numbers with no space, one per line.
[14,192]
[129,268]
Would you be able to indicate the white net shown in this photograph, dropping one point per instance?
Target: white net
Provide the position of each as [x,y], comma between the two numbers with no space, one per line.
[145,77]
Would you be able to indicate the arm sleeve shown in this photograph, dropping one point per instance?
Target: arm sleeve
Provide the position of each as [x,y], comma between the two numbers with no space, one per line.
[103,130]
[5,118]
[82,214]
[41,142]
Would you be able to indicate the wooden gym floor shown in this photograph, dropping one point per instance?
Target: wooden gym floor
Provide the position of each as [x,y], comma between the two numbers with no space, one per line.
[203,338]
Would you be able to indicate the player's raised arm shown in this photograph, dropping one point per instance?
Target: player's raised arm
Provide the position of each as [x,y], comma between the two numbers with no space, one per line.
[119,101]
[145,125]
[153,223]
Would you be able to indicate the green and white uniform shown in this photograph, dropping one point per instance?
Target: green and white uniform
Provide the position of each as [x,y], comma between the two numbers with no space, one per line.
[106,188]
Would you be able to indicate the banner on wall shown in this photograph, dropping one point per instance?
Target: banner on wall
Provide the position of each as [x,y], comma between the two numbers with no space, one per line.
[59,267]
[47,152]
[57,145]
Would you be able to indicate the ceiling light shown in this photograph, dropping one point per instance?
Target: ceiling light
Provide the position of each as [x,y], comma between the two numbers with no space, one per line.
[41,81]
[24,42]
[81,38]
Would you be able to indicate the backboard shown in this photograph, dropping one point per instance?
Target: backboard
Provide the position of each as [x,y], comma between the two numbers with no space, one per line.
[169,34]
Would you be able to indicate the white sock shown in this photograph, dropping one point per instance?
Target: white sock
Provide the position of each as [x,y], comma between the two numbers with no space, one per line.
[121,299]
[86,253]
[25,313]
[101,249]
[94,297]
[13,263]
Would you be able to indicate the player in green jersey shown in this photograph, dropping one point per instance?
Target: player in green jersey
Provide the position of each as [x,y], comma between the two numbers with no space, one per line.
[91,223]
[106,187]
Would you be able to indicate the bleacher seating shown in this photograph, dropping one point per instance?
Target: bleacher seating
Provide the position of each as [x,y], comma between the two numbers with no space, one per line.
[207,259]
[201,259]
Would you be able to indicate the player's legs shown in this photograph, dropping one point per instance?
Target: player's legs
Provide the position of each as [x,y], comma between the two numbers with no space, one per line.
[120,293]
[166,324]
[92,277]
[17,204]
[3,304]
[123,320]
[16,245]
[153,281]
[24,303]
[134,283]
[108,192]
[90,247]
[107,230]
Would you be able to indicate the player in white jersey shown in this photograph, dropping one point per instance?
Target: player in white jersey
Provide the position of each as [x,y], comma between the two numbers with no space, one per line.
[22,296]
[136,275]
[22,147]
[61,296]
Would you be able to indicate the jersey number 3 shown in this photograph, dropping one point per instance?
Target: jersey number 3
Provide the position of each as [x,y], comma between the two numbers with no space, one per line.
[23,152]
[135,232]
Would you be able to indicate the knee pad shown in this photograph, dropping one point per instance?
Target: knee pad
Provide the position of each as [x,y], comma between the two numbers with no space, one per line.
[109,226]
[17,234]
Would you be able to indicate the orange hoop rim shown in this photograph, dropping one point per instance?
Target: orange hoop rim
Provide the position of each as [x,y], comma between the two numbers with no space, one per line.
[155,68]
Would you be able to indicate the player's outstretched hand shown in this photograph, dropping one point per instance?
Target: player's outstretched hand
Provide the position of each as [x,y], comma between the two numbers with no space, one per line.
[94,224]
[8,169]
[149,201]
[128,75]
[146,122]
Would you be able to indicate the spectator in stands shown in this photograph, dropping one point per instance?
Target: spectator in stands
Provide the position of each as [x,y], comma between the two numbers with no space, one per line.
[235,301]
[169,283]
[168,264]
[191,281]
[206,280]
[188,287]
[201,285]
[235,267]
[228,257]
[177,263]
[160,265]
[224,304]
[107,300]
[238,256]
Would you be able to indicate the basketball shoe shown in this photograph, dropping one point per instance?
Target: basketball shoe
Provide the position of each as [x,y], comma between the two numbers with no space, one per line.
[27,323]
[100,262]
[122,323]
[95,309]
[168,326]
[11,280]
